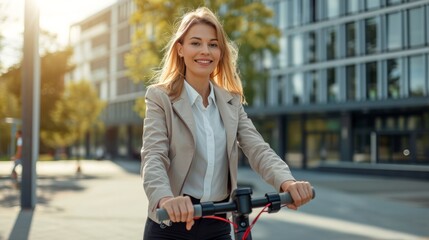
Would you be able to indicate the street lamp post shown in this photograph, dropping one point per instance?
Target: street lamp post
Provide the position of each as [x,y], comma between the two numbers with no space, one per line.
[30,104]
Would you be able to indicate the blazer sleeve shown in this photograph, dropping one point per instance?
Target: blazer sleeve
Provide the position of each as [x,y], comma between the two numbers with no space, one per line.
[261,156]
[154,153]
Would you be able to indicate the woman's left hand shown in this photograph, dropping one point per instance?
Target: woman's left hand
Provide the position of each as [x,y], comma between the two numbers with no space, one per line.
[300,191]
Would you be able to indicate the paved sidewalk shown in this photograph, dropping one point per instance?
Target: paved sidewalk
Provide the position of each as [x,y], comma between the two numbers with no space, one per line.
[106,201]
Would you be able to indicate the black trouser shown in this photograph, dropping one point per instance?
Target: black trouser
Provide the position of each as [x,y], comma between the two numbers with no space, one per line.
[203,229]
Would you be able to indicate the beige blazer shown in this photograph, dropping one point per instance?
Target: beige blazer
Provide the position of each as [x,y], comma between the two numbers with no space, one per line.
[169,144]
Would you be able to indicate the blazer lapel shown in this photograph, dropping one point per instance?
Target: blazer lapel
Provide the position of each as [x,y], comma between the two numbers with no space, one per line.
[228,113]
[182,107]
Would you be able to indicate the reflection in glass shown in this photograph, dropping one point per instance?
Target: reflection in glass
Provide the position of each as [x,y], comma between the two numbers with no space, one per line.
[333,8]
[352,6]
[417,76]
[282,56]
[297,88]
[394,148]
[362,147]
[330,43]
[296,13]
[371,35]
[350,39]
[422,151]
[371,4]
[416,26]
[282,14]
[394,31]
[351,82]
[333,88]
[393,78]
[313,86]
[393,2]
[297,50]
[312,53]
[371,80]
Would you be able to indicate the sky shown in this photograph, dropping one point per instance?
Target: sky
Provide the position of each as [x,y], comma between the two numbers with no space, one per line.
[56,16]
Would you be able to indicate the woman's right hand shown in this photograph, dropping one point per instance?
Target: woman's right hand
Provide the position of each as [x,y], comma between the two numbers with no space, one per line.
[179,209]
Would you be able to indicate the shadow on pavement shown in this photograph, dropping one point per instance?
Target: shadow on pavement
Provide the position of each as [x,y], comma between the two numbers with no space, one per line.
[47,188]
[21,229]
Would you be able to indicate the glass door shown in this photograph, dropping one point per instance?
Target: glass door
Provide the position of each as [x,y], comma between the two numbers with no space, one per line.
[394,148]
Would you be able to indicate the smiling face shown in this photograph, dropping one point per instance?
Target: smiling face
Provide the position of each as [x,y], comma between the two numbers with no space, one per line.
[200,51]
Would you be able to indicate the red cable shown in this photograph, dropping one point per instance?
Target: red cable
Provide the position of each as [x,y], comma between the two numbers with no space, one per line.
[247,232]
[254,221]
[223,219]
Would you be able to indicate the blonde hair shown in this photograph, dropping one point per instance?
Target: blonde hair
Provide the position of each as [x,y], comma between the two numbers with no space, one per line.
[172,74]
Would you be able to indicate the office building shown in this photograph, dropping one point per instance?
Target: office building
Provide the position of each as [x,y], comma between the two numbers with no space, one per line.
[100,43]
[350,85]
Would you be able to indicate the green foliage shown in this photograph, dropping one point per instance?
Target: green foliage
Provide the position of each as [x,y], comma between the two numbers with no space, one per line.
[140,107]
[73,115]
[9,108]
[9,104]
[66,113]
[246,22]
[52,83]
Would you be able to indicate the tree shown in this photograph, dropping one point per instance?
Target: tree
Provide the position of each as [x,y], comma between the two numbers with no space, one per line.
[73,115]
[3,18]
[247,23]
[53,67]
[9,108]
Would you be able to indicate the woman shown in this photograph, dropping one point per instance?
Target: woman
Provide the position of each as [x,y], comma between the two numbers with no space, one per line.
[193,127]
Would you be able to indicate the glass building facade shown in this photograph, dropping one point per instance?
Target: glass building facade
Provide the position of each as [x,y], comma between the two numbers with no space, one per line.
[350,83]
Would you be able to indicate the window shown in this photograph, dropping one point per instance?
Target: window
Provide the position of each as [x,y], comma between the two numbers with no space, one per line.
[312,86]
[312,53]
[417,76]
[371,35]
[371,81]
[351,82]
[333,88]
[333,8]
[296,12]
[350,39]
[283,56]
[280,88]
[313,11]
[372,4]
[394,31]
[121,61]
[124,36]
[283,23]
[330,43]
[393,78]
[416,27]
[297,50]
[352,6]
[297,88]
[393,2]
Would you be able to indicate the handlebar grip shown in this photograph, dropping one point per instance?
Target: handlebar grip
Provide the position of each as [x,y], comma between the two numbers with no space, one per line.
[286,198]
[162,214]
